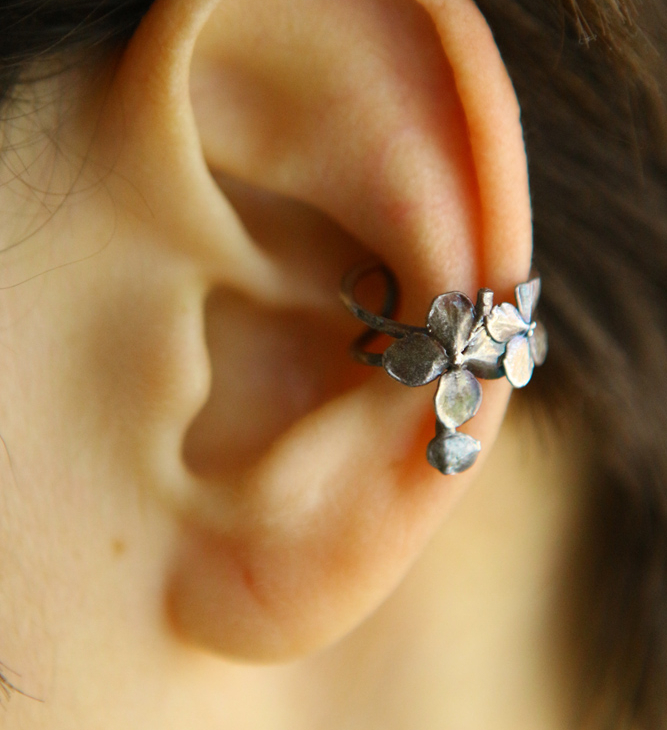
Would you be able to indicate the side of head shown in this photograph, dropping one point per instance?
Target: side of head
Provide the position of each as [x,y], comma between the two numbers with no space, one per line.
[195,201]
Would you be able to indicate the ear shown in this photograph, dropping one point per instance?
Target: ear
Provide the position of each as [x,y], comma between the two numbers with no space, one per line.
[278,142]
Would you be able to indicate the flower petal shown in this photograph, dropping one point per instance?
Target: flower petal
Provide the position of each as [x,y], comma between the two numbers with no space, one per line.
[505,322]
[518,361]
[457,398]
[539,344]
[526,297]
[414,360]
[451,320]
[483,356]
[452,453]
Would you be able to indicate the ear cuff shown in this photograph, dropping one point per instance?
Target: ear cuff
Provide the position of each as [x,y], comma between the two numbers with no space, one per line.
[461,343]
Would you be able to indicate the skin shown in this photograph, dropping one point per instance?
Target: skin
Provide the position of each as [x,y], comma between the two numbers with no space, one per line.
[195,472]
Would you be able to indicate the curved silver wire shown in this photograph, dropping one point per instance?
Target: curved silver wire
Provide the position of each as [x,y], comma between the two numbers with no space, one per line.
[377,323]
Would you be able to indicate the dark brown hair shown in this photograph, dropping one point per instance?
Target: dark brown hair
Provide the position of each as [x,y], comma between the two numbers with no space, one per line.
[591,77]
[42,30]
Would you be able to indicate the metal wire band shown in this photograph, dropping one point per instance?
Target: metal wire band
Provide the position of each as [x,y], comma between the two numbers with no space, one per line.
[377,323]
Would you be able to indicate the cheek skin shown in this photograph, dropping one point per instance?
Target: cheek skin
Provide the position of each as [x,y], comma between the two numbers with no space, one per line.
[103,365]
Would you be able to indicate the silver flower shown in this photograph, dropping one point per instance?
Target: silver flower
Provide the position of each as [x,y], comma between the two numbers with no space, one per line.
[455,338]
[455,347]
[460,343]
[525,340]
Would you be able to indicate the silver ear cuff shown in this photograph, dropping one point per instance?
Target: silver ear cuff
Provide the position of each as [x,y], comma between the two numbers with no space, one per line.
[461,343]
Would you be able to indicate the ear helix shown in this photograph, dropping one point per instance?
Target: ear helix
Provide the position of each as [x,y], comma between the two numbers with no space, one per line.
[460,343]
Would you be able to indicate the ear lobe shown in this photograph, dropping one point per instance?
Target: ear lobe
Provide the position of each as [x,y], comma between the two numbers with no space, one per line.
[354,109]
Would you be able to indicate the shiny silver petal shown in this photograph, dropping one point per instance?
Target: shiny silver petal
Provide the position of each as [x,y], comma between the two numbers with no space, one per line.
[483,356]
[452,452]
[539,344]
[414,360]
[518,361]
[457,398]
[505,322]
[451,320]
[526,297]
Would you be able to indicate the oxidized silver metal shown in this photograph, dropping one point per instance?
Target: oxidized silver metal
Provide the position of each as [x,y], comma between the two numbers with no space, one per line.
[461,343]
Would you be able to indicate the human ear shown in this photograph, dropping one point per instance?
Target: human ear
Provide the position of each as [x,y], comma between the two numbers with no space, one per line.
[359,127]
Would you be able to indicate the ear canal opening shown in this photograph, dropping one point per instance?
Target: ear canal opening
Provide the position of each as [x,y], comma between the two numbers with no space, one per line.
[273,364]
